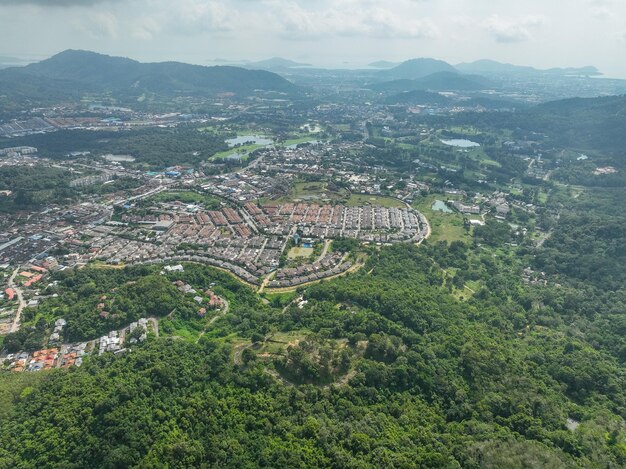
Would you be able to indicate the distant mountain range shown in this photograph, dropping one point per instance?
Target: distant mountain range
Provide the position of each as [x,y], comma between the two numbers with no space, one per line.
[437,75]
[275,63]
[74,72]
[487,67]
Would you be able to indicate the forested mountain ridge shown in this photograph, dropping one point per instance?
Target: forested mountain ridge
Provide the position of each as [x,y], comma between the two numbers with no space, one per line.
[73,72]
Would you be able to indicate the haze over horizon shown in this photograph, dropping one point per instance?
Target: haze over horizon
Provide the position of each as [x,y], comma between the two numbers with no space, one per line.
[347,33]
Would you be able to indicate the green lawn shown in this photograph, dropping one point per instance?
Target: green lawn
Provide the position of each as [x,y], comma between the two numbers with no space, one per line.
[445,226]
[295,253]
[187,197]
[312,191]
[298,141]
[243,150]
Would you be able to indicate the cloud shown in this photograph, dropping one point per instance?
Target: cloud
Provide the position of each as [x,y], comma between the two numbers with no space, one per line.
[346,18]
[99,25]
[602,9]
[509,30]
[56,3]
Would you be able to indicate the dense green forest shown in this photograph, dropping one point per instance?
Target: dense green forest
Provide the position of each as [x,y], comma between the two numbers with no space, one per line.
[155,148]
[588,240]
[35,186]
[498,379]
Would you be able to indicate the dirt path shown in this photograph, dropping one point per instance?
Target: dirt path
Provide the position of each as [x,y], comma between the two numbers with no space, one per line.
[215,318]
[155,325]
[266,282]
[20,299]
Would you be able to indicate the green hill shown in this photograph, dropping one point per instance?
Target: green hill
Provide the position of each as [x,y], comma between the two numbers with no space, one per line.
[417,68]
[72,73]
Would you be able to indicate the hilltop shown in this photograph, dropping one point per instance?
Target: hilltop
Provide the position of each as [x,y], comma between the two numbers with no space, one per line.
[74,72]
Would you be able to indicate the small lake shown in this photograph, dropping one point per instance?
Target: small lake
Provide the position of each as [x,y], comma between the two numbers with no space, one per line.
[461,143]
[440,206]
[254,139]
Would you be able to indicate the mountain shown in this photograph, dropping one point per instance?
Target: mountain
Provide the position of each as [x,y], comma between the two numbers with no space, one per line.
[492,67]
[593,124]
[73,72]
[275,63]
[417,68]
[439,81]
[417,97]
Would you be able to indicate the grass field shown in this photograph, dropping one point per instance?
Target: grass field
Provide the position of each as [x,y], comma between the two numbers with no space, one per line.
[313,191]
[298,141]
[243,150]
[278,342]
[186,197]
[445,226]
[356,200]
[296,253]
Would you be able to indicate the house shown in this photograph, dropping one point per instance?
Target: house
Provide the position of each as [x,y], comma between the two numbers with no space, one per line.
[10,293]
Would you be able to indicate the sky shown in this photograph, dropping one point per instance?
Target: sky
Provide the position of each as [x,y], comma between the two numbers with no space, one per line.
[347,33]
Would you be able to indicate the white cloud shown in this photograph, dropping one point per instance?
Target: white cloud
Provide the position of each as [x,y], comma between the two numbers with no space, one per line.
[345,18]
[184,18]
[513,29]
[55,3]
[602,9]
[98,25]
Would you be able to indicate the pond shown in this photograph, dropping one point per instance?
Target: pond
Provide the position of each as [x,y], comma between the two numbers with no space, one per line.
[461,143]
[440,206]
[254,139]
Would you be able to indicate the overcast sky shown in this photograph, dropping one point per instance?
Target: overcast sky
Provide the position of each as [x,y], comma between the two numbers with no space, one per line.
[542,33]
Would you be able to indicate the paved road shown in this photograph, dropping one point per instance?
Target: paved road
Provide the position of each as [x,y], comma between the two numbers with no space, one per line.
[20,299]
[325,250]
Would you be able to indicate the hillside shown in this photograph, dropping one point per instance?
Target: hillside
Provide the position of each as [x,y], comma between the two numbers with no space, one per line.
[421,379]
[71,73]
[439,81]
[417,97]
[417,68]
[583,123]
